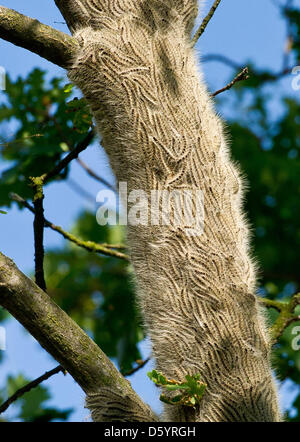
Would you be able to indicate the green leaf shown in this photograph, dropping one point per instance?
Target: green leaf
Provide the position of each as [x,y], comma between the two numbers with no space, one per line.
[192,390]
[68,88]
[42,122]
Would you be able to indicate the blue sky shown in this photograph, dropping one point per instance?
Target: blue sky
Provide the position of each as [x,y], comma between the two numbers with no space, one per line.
[242,30]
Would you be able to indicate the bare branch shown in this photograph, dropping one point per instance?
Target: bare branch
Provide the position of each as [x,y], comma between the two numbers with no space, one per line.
[140,365]
[71,156]
[88,245]
[61,337]
[240,77]
[115,246]
[205,22]
[74,154]
[267,76]
[19,393]
[90,172]
[49,43]
[80,190]
[221,59]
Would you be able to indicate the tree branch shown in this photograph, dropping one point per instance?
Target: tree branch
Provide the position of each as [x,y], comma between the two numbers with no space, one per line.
[286,315]
[70,157]
[270,303]
[80,190]
[265,75]
[115,246]
[19,393]
[205,22]
[243,75]
[140,364]
[88,245]
[38,228]
[49,43]
[79,148]
[90,172]
[39,220]
[60,336]
[221,59]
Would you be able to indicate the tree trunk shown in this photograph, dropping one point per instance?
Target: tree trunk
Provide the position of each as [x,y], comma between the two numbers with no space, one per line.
[138,71]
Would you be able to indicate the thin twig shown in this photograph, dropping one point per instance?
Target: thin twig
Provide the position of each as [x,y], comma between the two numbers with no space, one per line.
[80,190]
[270,303]
[71,156]
[20,200]
[244,75]
[114,246]
[74,152]
[19,393]
[267,76]
[94,175]
[88,245]
[221,59]
[140,365]
[87,141]
[205,22]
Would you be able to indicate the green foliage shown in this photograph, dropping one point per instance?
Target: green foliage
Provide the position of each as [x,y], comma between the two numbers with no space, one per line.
[68,88]
[82,119]
[32,404]
[45,128]
[191,391]
[3,314]
[273,199]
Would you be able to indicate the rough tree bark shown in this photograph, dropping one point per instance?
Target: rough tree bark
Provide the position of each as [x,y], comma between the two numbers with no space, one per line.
[135,64]
[67,342]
